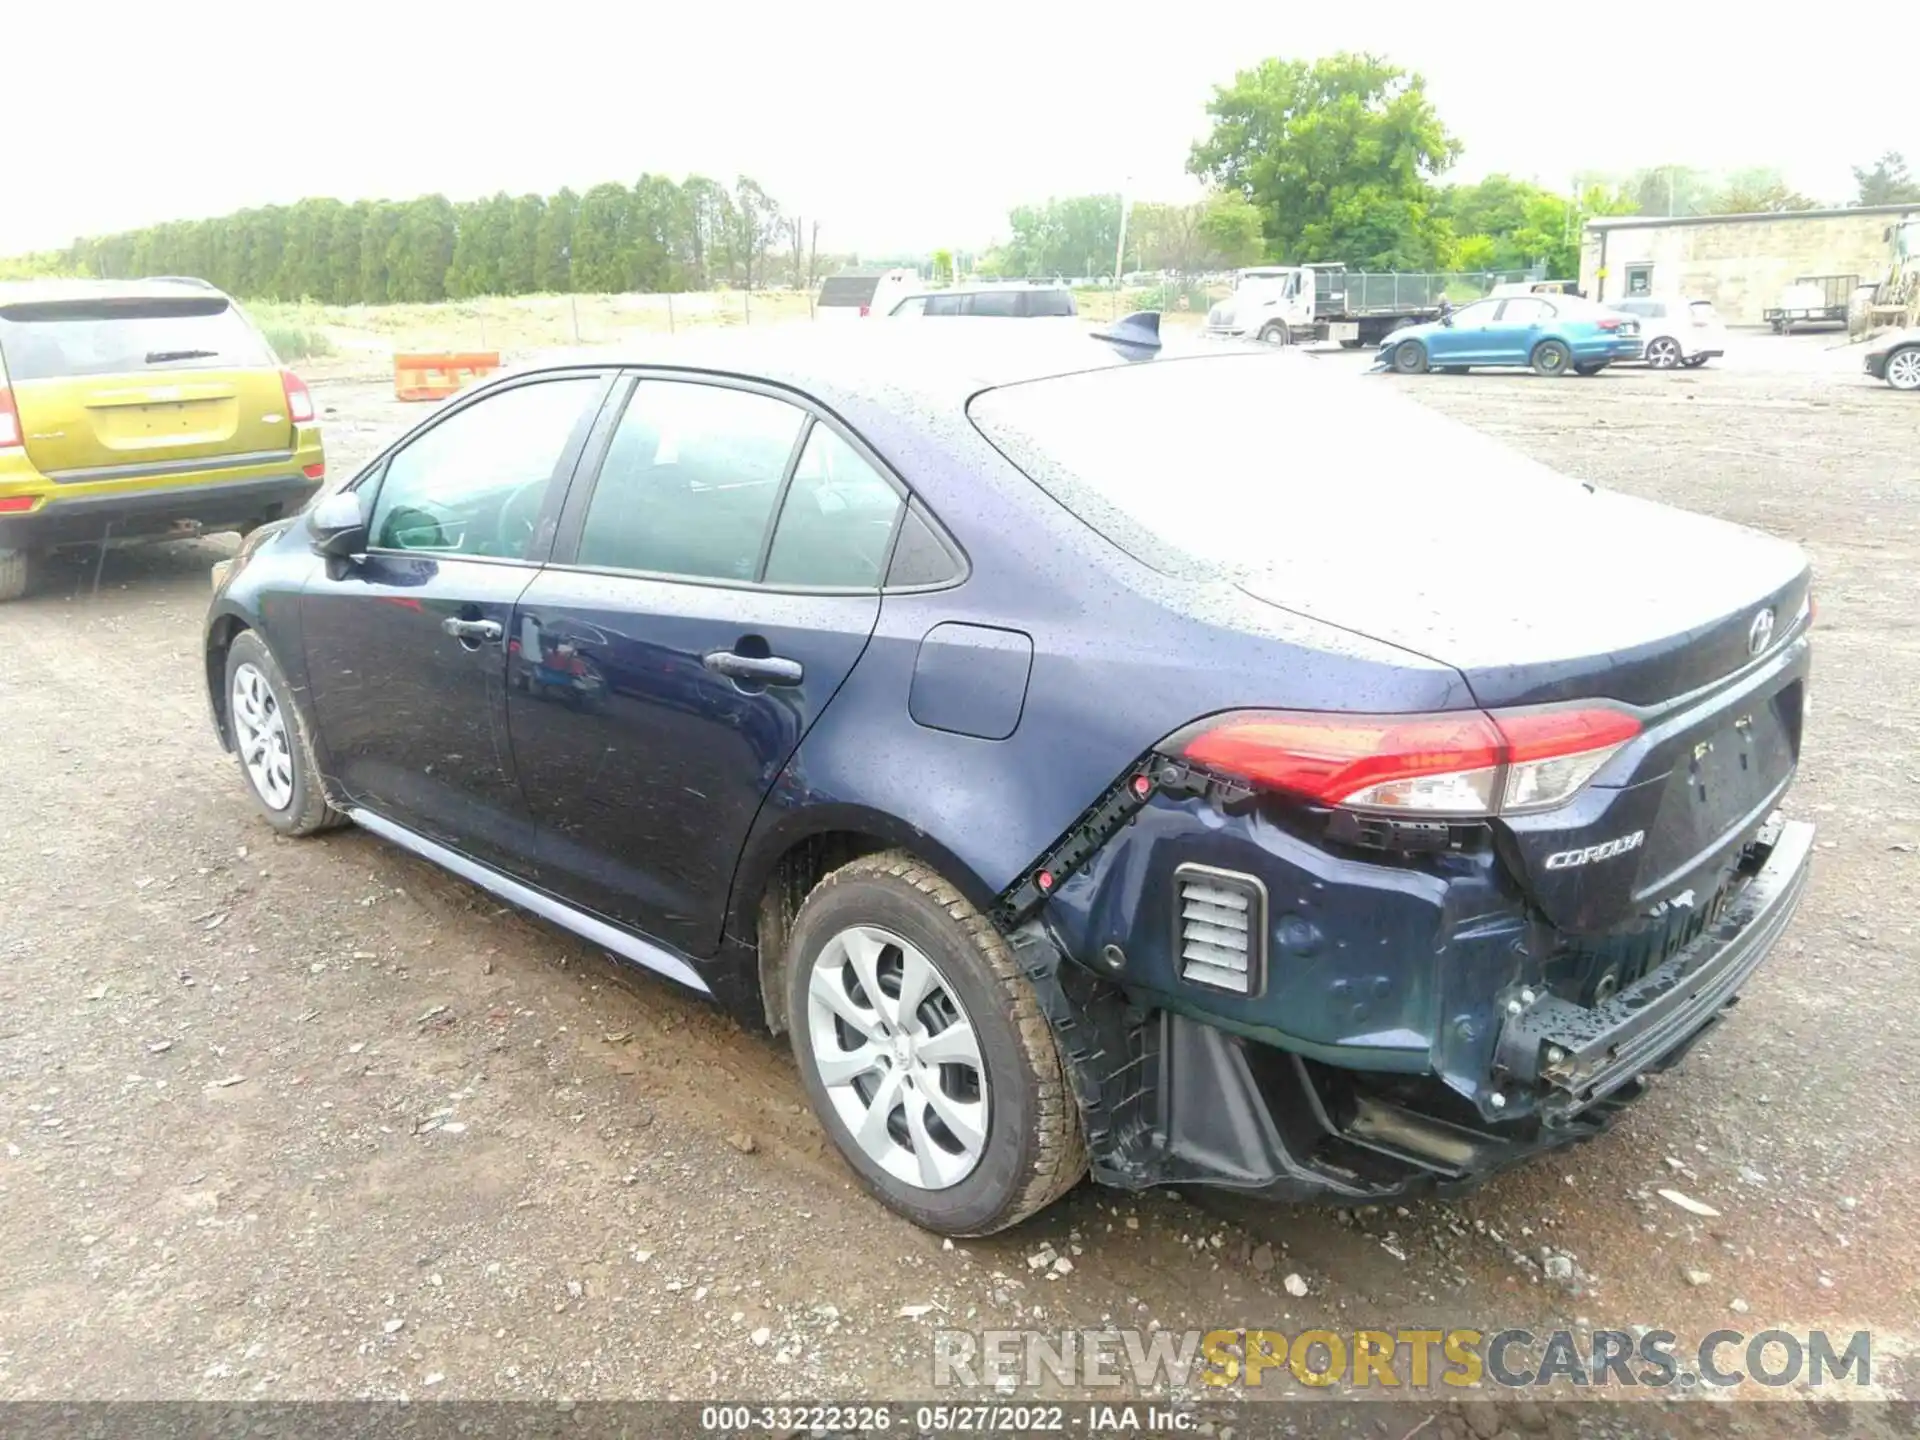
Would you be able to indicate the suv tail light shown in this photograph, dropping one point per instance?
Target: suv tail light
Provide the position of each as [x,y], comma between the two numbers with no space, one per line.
[1607,322]
[10,436]
[1457,763]
[299,398]
[865,311]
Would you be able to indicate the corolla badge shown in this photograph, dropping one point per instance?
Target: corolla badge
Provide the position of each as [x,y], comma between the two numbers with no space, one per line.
[1606,850]
[1760,632]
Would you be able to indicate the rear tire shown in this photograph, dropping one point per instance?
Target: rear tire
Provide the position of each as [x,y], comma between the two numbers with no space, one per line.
[1410,358]
[1551,358]
[890,922]
[13,574]
[282,776]
[1664,352]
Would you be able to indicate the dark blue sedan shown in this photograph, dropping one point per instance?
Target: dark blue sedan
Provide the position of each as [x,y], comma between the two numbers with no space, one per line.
[1077,785]
[1550,335]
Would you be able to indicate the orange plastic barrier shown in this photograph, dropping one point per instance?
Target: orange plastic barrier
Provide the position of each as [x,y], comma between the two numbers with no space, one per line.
[434,377]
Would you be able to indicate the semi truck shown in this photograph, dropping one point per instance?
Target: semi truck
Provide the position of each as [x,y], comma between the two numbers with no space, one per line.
[1293,304]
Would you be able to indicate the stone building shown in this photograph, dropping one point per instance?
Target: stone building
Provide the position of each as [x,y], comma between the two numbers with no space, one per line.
[1739,262]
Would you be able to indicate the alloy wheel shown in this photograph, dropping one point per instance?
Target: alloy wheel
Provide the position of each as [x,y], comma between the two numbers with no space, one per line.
[1903,369]
[1663,353]
[260,732]
[898,1057]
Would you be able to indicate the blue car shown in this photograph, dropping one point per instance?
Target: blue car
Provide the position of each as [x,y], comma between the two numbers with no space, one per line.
[1073,786]
[1551,335]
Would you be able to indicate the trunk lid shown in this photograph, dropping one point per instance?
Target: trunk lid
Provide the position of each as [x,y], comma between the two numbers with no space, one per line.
[119,383]
[1695,624]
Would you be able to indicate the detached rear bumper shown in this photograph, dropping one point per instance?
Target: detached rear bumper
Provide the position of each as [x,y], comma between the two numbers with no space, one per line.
[1172,1098]
[87,519]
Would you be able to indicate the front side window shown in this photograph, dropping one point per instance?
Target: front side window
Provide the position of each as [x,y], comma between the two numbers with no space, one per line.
[690,481]
[475,484]
[916,306]
[837,520]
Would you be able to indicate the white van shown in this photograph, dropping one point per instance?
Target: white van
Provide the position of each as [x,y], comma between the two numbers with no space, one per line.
[855,294]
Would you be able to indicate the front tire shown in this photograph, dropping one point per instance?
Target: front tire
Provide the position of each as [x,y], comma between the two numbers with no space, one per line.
[1551,358]
[924,1051]
[270,741]
[1903,368]
[1276,333]
[1664,353]
[1410,358]
[13,574]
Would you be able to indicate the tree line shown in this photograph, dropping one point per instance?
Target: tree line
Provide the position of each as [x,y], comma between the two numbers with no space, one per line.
[654,235]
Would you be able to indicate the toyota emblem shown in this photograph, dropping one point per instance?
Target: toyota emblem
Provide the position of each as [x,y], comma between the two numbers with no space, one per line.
[1760,632]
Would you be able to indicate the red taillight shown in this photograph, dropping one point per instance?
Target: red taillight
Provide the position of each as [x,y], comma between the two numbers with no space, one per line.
[14,504]
[864,312]
[299,398]
[315,471]
[10,437]
[1464,762]
[1607,322]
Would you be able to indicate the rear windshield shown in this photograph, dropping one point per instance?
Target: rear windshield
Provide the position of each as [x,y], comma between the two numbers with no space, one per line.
[849,289]
[1702,310]
[44,340]
[1167,460]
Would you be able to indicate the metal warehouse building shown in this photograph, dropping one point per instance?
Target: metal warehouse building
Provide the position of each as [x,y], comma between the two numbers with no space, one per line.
[1739,262]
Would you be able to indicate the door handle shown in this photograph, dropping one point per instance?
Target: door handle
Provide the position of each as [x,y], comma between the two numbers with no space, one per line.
[766,669]
[472,632]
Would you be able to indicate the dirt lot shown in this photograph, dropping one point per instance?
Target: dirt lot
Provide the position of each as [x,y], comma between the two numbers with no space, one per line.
[312,1119]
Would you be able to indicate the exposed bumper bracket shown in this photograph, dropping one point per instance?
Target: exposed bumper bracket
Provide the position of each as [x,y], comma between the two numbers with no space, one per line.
[1583,1054]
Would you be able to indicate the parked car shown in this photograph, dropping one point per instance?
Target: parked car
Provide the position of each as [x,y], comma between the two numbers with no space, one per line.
[856,294]
[1013,301]
[1895,358]
[137,408]
[1058,825]
[1676,331]
[1554,335]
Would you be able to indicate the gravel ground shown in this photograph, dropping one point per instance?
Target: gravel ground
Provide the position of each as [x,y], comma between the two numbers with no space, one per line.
[314,1120]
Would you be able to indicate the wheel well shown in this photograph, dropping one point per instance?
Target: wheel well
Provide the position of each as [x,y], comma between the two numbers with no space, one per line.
[219,641]
[803,865]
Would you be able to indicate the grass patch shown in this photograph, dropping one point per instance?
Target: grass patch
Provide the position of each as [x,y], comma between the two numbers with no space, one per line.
[295,342]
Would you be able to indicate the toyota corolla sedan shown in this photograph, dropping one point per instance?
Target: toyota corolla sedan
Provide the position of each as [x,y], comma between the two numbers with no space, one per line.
[1549,334]
[1075,789]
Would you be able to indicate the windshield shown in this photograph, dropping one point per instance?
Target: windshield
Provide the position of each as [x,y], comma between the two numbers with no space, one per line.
[1165,458]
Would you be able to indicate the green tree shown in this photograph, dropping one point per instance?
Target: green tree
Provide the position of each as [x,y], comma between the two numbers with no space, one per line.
[1228,227]
[343,254]
[1886,182]
[655,220]
[600,239]
[480,246]
[706,231]
[376,244]
[421,250]
[553,267]
[756,229]
[1755,191]
[1339,156]
[520,264]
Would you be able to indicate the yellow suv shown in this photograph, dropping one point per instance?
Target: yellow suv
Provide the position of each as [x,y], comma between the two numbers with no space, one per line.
[136,408]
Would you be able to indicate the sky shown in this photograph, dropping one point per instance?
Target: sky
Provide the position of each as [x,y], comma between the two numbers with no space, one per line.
[901,128]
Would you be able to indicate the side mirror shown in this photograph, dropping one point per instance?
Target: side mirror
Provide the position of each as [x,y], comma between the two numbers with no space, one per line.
[339,525]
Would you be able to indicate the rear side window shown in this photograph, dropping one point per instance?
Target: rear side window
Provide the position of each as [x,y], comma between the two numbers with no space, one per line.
[849,290]
[996,302]
[1050,302]
[837,520]
[44,340]
[689,481]
[1526,310]
[946,305]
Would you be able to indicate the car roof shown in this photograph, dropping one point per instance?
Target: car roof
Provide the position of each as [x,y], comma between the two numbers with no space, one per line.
[943,365]
[20,292]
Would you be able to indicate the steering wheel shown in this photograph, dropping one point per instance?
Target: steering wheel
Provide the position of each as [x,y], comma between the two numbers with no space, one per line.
[519,517]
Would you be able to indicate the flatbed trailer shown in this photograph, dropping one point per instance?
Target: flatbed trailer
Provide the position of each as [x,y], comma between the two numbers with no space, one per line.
[1812,300]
